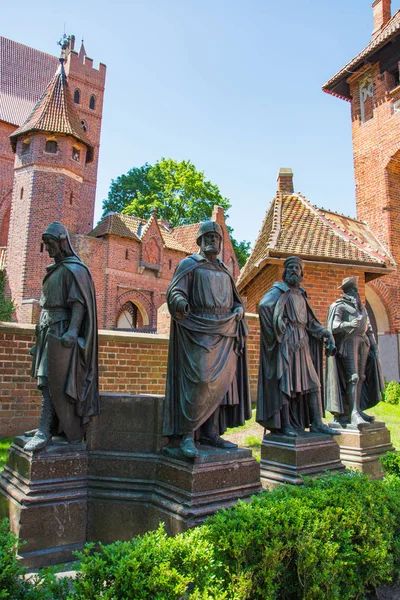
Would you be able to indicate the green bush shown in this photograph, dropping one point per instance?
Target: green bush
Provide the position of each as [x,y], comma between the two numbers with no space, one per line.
[13,585]
[391,463]
[153,566]
[332,539]
[7,306]
[391,395]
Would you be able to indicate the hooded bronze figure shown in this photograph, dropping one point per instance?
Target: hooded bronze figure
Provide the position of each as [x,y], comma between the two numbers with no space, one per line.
[65,356]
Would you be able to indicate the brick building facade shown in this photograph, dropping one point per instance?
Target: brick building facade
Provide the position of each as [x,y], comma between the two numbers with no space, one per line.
[371,83]
[49,173]
[332,246]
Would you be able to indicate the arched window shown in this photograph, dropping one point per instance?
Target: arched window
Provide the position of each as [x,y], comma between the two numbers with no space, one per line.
[21,194]
[92,102]
[128,316]
[51,146]
[71,198]
[76,154]
[367,99]
[84,125]
[77,97]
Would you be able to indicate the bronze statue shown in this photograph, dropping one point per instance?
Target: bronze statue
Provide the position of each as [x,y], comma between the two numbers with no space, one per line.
[289,388]
[354,376]
[207,381]
[65,355]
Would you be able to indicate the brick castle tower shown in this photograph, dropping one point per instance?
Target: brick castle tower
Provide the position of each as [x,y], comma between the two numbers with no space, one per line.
[55,171]
[371,83]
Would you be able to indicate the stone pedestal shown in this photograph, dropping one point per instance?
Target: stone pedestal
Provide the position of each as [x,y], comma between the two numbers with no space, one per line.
[362,449]
[44,494]
[124,483]
[286,459]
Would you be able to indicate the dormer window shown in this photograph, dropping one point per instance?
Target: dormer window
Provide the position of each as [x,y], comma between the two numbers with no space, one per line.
[76,154]
[26,144]
[51,146]
[77,97]
[367,99]
[92,103]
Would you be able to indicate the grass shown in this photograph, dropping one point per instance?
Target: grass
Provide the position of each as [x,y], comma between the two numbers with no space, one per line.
[4,445]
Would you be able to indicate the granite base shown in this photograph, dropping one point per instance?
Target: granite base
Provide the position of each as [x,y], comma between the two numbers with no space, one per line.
[124,482]
[361,449]
[286,459]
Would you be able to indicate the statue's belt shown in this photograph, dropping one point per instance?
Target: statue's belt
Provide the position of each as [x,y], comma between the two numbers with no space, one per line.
[52,315]
[211,311]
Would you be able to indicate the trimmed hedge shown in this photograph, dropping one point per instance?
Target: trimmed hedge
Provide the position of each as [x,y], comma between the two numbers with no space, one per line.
[332,539]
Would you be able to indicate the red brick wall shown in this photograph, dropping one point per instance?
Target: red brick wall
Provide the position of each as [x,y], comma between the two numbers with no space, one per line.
[321,281]
[6,179]
[128,363]
[376,147]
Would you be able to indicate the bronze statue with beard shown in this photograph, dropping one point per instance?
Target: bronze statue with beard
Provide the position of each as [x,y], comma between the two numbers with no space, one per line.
[290,372]
[65,355]
[207,380]
[354,376]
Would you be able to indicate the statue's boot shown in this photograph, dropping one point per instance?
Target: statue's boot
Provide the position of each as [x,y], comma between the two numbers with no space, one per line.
[188,447]
[211,435]
[368,418]
[30,433]
[42,437]
[317,425]
[356,419]
[286,427]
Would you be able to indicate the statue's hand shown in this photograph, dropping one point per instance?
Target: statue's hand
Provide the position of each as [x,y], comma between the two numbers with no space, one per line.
[354,323]
[69,338]
[239,312]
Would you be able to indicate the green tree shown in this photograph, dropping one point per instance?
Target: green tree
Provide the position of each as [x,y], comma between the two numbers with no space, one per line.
[178,191]
[7,306]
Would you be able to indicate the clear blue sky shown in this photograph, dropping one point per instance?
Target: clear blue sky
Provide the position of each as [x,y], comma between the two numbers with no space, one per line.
[234,86]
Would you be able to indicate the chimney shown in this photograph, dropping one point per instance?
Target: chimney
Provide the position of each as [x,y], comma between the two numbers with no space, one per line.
[285,181]
[382,14]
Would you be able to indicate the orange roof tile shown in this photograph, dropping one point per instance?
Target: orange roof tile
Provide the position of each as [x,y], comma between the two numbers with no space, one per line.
[121,225]
[24,74]
[294,226]
[55,113]
[388,32]
[186,235]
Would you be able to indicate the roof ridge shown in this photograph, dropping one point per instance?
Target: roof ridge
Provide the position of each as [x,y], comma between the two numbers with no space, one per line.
[276,220]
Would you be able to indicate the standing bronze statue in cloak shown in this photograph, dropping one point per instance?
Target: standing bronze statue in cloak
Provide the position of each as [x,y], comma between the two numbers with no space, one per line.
[354,377]
[207,381]
[65,355]
[290,373]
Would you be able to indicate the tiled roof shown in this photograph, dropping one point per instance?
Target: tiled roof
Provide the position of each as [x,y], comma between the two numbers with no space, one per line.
[55,113]
[24,74]
[389,31]
[186,235]
[294,226]
[135,228]
[118,224]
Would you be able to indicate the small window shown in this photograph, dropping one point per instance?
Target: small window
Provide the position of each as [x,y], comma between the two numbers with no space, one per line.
[77,97]
[92,102]
[170,264]
[126,254]
[41,247]
[21,194]
[25,147]
[71,198]
[367,99]
[84,125]
[76,154]
[51,146]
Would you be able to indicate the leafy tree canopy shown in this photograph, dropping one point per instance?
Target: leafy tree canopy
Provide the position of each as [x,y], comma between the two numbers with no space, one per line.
[7,306]
[178,191]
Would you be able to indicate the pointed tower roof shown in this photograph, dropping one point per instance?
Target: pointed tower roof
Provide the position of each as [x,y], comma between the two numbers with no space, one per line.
[82,52]
[55,113]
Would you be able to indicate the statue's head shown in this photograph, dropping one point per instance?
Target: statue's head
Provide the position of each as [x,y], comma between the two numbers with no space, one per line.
[209,238]
[350,286]
[293,269]
[57,242]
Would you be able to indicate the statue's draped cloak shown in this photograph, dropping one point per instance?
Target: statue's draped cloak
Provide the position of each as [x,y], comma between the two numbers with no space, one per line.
[207,360]
[290,356]
[374,383]
[65,283]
